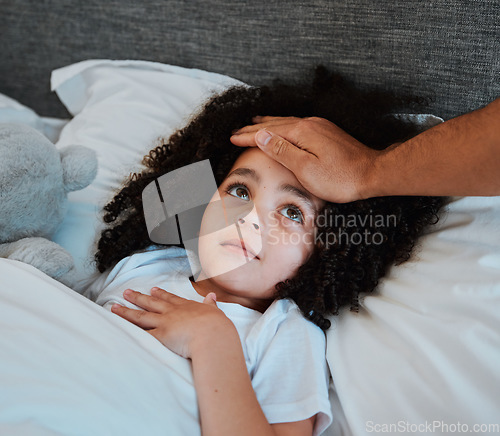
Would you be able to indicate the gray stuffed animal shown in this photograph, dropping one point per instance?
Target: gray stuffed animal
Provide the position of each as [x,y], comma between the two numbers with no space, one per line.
[35,178]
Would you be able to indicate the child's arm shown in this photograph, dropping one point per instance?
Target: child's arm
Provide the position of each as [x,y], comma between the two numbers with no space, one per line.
[227,401]
[201,332]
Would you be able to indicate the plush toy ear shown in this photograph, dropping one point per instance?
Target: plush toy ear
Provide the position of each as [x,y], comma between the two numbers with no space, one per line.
[79,167]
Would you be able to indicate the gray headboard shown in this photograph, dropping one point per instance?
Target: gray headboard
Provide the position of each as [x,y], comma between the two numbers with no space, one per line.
[445,49]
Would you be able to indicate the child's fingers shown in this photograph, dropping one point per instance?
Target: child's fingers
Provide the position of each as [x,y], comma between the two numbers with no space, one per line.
[166,296]
[148,302]
[140,318]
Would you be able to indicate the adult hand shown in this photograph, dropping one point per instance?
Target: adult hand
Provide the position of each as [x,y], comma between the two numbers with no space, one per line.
[176,322]
[460,157]
[327,161]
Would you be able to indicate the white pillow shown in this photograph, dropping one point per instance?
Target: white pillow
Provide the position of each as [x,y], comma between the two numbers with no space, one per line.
[424,351]
[120,110]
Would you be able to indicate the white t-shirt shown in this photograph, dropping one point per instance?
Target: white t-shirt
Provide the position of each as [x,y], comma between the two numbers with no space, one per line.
[284,352]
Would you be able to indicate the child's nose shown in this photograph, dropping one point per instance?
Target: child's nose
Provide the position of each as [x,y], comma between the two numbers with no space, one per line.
[251,219]
[255,225]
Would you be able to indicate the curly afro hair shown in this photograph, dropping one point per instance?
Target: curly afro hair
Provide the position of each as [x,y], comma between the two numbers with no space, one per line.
[354,247]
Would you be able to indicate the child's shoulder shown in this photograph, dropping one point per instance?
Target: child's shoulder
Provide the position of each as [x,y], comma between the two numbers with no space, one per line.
[151,256]
[151,262]
[284,317]
[283,333]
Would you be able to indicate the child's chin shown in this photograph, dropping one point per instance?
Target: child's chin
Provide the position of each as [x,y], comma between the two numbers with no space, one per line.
[237,277]
[229,267]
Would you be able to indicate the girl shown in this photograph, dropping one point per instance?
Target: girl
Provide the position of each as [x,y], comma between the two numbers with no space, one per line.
[258,366]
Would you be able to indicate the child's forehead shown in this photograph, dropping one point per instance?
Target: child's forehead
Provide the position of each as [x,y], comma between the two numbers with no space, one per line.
[260,162]
[253,163]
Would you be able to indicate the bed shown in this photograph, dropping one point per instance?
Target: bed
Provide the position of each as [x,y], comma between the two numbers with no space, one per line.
[423,353]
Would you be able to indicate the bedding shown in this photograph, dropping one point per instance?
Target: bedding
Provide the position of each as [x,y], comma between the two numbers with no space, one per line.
[425,348]
[70,367]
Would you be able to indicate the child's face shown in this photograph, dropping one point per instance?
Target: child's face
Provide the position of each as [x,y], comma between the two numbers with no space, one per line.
[244,261]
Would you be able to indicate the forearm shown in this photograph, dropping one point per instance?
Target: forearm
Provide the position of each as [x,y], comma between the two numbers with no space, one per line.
[227,402]
[460,157]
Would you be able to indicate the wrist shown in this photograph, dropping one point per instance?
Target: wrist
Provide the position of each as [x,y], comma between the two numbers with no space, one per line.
[213,336]
[372,182]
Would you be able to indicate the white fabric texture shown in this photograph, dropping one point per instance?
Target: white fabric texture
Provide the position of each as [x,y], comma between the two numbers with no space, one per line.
[121,109]
[68,367]
[284,352]
[425,347]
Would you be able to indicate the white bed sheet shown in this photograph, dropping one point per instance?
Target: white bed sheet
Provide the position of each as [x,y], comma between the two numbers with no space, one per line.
[424,351]
[70,367]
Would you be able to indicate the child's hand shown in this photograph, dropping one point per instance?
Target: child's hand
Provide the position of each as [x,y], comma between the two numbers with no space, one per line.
[179,324]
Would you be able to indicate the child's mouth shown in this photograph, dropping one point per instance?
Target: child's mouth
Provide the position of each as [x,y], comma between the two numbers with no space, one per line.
[239,246]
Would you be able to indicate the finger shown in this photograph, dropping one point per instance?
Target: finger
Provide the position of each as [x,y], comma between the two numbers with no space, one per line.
[147,302]
[244,140]
[272,122]
[264,119]
[284,152]
[247,129]
[245,137]
[165,295]
[140,318]
[210,299]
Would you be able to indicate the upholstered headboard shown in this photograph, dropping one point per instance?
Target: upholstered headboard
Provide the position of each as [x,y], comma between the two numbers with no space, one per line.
[445,49]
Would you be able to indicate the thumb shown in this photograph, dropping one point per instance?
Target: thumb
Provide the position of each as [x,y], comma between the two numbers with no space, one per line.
[279,149]
[211,299]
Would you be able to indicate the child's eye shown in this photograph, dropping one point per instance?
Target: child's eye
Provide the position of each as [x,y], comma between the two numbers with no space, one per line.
[238,192]
[293,213]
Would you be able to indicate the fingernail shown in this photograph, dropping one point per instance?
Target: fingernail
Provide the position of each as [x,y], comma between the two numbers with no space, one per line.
[127,292]
[115,306]
[263,137]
